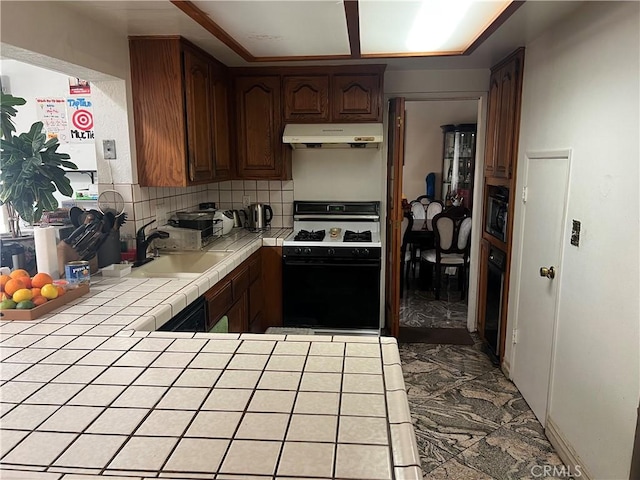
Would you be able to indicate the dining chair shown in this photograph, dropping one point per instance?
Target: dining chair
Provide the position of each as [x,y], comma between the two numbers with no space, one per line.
[424,200]
[433,209]
[405,250]
[418,210]
[452,234]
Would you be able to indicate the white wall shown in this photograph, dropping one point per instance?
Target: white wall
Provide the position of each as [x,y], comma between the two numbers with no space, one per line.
[31,82]
[338,174]
[58,34]
[581,91]
[423,140]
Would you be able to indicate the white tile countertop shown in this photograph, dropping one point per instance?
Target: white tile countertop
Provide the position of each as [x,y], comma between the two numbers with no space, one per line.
[84,392]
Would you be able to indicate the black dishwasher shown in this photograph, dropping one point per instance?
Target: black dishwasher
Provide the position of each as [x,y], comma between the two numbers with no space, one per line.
[191,319]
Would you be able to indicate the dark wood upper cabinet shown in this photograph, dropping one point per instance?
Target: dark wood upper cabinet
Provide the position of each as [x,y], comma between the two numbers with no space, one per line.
[356,98]
[503,116]
[198,107]
[260,151]
[306,98]
[221,87]
[181,134]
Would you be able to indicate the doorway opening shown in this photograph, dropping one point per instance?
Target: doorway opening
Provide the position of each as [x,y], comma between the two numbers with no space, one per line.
[432,139]
[424,154]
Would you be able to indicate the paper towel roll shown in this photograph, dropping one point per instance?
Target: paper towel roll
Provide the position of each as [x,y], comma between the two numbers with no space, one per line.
[46,251]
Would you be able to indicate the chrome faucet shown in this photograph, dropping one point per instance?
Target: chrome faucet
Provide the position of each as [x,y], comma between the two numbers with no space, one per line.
[142,244]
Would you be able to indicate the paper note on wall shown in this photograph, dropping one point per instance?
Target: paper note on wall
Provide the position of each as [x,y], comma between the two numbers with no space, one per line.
[81,114]
[52,113]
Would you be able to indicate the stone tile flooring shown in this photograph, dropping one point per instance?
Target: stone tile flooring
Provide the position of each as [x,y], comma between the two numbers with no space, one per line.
[470,421]
[419,308]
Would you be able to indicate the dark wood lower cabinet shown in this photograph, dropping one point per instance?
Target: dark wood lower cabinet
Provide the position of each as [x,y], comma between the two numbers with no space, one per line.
[239,296]
[238,315]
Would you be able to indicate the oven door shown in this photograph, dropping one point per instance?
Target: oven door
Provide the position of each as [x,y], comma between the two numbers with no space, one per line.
[331,293]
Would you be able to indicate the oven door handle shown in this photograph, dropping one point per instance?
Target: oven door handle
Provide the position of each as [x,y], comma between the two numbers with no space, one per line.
[356,264]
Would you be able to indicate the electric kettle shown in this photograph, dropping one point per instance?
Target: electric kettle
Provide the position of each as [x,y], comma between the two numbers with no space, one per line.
[259,217]
[235,215]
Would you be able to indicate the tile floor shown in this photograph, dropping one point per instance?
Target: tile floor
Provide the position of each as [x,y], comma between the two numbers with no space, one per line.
[419,308]
[470,421]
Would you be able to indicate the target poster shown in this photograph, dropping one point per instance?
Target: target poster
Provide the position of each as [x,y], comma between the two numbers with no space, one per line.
[53,114]
[80,110]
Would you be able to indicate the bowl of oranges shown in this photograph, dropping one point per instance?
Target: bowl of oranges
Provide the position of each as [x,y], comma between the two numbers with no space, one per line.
[21,293]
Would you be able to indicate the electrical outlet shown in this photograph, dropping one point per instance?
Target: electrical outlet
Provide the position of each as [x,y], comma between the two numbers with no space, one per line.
[109,149]
[246,200]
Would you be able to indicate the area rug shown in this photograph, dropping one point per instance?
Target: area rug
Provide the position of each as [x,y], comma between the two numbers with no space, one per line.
[447,336]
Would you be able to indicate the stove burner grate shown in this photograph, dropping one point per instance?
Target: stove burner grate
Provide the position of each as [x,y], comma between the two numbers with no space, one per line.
[309,236]
[350,236]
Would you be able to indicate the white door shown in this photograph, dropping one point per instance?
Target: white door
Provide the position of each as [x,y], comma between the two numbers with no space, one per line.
[543,226]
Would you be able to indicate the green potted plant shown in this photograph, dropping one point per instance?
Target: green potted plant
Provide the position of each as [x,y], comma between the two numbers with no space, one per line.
[30,169]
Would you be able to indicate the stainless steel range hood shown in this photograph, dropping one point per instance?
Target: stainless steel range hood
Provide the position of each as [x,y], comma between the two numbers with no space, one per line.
[333,135]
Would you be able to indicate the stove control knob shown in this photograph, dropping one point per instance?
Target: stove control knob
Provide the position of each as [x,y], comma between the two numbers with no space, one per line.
[307,250]
[355,252]
[297,250]
[365,252]
[331,251]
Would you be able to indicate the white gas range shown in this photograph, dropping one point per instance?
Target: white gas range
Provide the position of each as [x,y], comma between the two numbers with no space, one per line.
[331,266]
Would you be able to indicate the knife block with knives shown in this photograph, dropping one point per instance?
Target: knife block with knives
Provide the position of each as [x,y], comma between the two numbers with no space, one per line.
[93,230]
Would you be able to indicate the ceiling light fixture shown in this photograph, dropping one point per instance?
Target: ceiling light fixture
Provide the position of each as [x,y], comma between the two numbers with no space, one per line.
[436,21]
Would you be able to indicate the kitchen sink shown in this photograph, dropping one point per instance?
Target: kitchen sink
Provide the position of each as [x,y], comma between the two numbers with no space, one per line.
[179,264]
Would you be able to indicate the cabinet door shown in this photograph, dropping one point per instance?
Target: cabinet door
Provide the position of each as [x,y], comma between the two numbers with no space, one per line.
[261,153]
[198,111]
[238,315]
[356,98]
[306,98]
[509,119]
[493,112]
[255,300]
[219,298]
[220,118]
[158,110]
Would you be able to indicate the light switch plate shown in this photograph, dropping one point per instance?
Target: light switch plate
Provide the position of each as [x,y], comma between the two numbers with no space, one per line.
[109,149]
[575,233]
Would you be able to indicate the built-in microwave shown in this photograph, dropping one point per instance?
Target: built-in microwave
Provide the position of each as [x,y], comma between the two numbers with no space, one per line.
[497,212]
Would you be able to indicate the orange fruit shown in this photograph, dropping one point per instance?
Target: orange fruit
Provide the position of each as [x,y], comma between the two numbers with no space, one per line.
[35,291]
[39,300]
[13,285]
[22,295]
[49,291]
[19,273]
[4,296]
[61,290]
[27,281]
[41,279]
[3,280]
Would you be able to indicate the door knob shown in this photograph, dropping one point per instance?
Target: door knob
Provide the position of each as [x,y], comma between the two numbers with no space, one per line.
[548,272]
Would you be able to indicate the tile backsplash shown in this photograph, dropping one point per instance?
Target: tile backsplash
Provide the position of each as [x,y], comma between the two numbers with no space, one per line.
[278,194]
[142,204]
